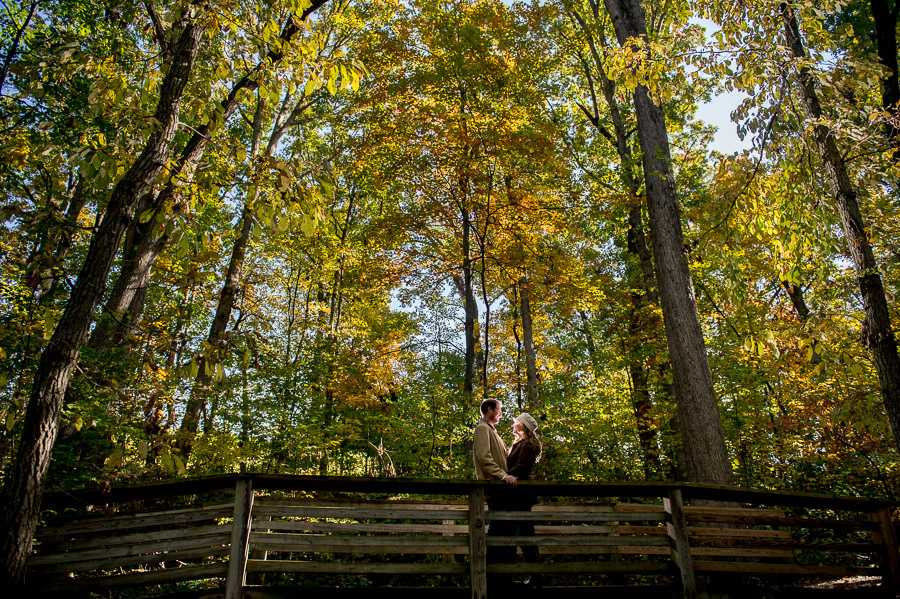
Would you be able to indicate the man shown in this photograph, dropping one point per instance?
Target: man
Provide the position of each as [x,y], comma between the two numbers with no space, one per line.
[490,450]
[490,464]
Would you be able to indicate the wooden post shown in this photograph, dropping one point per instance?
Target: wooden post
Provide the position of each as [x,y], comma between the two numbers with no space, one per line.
[240,539]
[261,554]
[676,526]
[447,558]
[888,554]
[477,544]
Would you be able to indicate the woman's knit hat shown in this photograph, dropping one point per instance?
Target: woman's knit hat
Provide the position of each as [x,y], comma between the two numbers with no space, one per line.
[528,421]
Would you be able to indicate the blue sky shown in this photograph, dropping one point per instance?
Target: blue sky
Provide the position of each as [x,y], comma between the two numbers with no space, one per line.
[717,112]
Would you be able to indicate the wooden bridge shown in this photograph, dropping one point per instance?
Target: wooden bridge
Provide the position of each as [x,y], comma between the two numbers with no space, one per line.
[276,536]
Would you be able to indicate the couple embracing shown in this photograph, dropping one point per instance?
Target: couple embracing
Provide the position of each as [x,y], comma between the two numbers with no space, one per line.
[494,462]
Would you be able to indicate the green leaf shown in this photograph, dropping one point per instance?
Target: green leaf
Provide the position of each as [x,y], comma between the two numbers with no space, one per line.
[308,225]
[116,459]
[167,462]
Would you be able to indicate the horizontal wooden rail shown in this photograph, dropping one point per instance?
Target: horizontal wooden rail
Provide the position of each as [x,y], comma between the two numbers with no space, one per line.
[253,524]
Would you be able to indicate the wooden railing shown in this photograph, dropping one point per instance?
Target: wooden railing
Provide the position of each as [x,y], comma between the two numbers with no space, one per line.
[260,531]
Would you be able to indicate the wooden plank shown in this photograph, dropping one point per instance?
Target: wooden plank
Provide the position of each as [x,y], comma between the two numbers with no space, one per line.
[368,514]
[638,567]
[103,524]
[240,539]
[575,541]
[695,531]
[334,567]
[477,544]
[300,526]
[392,528]
[709,552]
[130,550]
[691,510]
[167,575]
[681,549]
[764,568]
[889,554]
[701,516]
[138,560]
[577,516]
[133,539]
[361,504]
[786,544]
[611,550]
[582,529]
[592,508]
[364,545]
[395,548]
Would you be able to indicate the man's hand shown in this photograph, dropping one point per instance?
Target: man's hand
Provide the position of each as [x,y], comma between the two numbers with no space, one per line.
[510,480]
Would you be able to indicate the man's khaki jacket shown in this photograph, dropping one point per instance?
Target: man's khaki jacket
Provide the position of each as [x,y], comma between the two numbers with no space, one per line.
[490,452]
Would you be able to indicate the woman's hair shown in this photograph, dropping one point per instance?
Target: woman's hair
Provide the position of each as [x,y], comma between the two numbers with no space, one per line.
[532,437]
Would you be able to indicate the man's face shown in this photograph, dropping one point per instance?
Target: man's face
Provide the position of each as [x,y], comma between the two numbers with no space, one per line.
[493,416]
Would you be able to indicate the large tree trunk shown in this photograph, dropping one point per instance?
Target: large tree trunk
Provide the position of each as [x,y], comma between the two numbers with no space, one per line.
[701,426]
[644,285]
[22,492]
[886,44]
[879,335]
[125,306]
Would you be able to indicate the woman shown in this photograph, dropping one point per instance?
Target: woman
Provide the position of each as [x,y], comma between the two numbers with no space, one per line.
[526,450]
[524,454]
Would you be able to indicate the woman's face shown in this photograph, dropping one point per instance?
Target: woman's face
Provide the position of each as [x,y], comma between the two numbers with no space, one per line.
[517,428]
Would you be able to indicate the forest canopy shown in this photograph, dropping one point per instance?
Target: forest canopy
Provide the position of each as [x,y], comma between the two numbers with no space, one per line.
[311,237]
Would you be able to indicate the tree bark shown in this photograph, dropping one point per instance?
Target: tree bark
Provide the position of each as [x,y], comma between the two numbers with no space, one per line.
[885,19]
[704,443]
[644,290]
[22,491]
[531,388]
[878,334]
[471,308]
[795,293]
[191,420]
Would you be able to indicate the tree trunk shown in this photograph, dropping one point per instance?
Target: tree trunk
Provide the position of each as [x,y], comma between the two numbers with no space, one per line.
[641,401]
[885,20]
[703,439]
[471,308]
[879,336]
[124,308]
[531,388]
[22,492]
[233,276]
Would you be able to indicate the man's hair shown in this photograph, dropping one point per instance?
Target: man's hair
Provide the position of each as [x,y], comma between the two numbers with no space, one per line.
[489,404]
